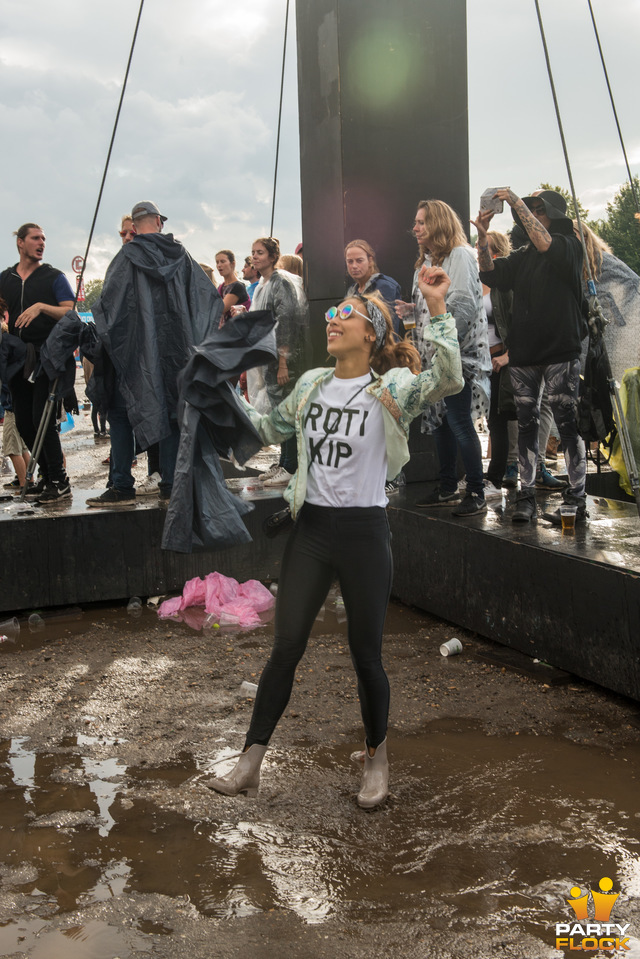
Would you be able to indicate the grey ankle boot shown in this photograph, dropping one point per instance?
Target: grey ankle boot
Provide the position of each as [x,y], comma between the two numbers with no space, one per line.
[245,775]
[375,777]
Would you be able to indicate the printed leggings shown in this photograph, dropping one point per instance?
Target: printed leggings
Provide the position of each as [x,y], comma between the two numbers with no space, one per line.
[563,382]
[354,544]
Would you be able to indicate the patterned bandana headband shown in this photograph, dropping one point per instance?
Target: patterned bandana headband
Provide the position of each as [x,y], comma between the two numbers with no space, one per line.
[377,321]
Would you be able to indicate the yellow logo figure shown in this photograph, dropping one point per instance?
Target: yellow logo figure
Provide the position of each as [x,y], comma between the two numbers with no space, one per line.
[579,903]
[604,900]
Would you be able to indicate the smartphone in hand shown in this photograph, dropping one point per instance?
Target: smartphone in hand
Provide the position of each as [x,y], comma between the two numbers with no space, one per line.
[489,202]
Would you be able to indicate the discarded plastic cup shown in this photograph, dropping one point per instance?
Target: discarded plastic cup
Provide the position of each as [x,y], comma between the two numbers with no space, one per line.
[451,647]
[249,689]
[10,628]
[568,518]
[36,623]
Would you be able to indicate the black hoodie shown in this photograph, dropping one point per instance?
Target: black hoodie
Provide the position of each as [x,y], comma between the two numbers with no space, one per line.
[547,321]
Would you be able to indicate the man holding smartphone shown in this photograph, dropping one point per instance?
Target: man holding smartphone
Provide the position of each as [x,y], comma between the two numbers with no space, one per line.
[545,336]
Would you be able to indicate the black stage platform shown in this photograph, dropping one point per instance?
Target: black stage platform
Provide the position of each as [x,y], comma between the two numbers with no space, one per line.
[69,553]
[572,600]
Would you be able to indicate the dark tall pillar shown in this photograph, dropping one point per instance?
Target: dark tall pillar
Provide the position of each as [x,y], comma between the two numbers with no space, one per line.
[383,124]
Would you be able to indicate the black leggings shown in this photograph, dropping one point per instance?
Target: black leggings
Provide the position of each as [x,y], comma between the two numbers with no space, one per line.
[29,401]
[354,544]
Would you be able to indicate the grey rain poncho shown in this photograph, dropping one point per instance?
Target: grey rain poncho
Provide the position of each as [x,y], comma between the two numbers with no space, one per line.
[618,290]
[286,300]
[464,302]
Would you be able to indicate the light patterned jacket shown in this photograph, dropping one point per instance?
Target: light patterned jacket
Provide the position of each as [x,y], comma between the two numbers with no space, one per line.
[403,394]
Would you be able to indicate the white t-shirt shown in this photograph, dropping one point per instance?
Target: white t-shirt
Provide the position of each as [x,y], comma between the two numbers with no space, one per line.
[492,330]
[350,467]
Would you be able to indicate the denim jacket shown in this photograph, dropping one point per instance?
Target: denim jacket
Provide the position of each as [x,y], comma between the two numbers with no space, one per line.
[403,395]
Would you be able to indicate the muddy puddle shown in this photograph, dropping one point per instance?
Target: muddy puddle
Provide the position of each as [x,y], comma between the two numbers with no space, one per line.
[481,832]
[42,627]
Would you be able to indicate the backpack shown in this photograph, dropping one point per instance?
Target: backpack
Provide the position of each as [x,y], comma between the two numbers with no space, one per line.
[595,411]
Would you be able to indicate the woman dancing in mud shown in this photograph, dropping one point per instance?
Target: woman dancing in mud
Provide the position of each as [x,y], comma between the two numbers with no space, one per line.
[351,424]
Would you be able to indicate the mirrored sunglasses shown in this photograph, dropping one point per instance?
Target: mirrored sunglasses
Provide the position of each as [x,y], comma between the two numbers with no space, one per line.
[343,312]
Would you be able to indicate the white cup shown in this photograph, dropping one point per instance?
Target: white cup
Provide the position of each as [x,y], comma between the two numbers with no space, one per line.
[451,647]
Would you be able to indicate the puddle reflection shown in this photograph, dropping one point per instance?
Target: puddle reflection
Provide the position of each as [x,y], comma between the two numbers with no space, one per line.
[481,830]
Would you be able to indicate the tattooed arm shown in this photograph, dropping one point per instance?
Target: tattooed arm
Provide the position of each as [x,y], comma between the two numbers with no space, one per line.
[537,233]
[481,223]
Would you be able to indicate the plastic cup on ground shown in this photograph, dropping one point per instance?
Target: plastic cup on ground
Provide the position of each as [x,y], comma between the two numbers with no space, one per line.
[134,606]
[451,648]
[248,689]
[36,623]
[10,628]
[568,518]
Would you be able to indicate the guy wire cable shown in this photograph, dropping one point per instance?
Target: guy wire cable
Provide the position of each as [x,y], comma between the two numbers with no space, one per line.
[275,173]
[615,112]
[592,286]
[597,320]
[51,398]
[113,136]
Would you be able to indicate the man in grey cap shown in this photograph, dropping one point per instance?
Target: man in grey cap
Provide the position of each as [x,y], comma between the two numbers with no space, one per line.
[147,218]
[156,306]
[545,335]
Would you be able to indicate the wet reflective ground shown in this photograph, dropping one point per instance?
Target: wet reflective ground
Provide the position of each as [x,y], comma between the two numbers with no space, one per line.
[105,853]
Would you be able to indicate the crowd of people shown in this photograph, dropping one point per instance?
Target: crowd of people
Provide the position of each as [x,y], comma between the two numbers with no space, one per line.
[497,333]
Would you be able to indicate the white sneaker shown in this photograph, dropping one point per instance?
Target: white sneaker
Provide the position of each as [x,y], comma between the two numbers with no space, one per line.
[149,486]
[279,478]
[491,491]
[269,473]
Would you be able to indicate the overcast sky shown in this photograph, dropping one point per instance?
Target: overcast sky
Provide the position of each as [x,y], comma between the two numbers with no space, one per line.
[198,125]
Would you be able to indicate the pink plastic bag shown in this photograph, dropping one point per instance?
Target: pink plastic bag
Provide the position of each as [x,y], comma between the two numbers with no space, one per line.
[257,594]
[239,613]
[219,590]
[224,599]
[193,593]
[170,607]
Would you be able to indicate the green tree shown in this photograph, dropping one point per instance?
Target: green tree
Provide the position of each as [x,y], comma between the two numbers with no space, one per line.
[621,229]
[92,290]
[584,213]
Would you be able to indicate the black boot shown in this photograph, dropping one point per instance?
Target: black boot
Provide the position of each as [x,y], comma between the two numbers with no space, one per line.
[525,509]
[570,500]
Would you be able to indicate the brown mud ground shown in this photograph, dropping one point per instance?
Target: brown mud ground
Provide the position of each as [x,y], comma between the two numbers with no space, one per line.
[507,789]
